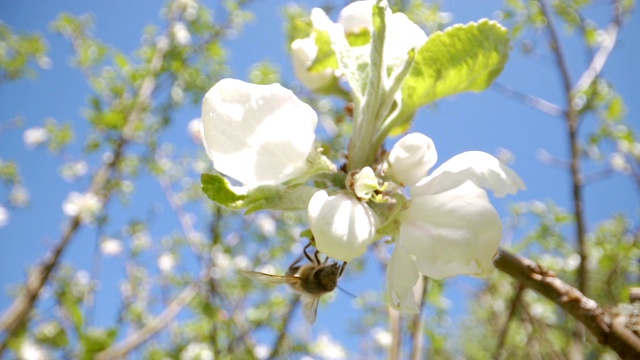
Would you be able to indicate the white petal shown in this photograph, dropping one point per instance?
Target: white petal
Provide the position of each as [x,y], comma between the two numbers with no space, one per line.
[411,158]
[321,21]
[257,134]
[341,225]
[357,16]
[303,52]
[402,36]
[452,233]
[402,276]
[479,167]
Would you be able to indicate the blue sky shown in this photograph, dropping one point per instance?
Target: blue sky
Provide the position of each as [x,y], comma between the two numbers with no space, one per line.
[485,121]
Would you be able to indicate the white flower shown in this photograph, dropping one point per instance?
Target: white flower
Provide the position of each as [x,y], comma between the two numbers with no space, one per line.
[73,170]
[194,128]
[4,216]
[86,206]
[166,262]
[382,337]
[619,163]
[328,349]
[266,224]
[365,183]
[19,196]
[257,134]
[401,36]
[411,158]
[197,351]
[181,33]
[30,350]
[450,227]
[342,226]
[35,136]
[303,53]
[111,246]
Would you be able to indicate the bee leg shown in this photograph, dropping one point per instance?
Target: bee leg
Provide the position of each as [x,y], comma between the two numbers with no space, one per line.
[344,265]
[293,268]
[315,255]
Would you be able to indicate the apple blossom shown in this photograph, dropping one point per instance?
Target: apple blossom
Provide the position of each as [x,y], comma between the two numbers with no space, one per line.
[257,134]
[411,158]
[342,226]
[449,227]
[365,183]
[402,34]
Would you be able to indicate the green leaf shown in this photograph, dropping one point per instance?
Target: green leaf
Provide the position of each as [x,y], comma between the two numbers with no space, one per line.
[96,340]
[218,189]
[326,56]
[52,334]
[277,197]
[461,58]
[616,109]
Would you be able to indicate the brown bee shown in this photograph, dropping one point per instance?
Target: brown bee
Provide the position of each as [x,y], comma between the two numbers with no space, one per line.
[311,280]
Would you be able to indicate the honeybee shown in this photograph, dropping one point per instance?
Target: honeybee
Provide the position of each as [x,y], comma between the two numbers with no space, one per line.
[310,280]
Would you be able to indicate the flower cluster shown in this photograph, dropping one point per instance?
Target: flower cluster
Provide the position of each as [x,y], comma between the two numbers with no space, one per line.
[263,136]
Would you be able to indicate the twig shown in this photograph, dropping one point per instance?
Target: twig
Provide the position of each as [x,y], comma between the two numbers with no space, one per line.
[585,310]
[18,312]
[530,100]
[396,334]
[417,321]
[127,345]
[282,336]
[600,58]
[576,348]
[505,329]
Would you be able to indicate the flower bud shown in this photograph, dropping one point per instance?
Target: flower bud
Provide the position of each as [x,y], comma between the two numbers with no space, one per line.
[411,158]
[342,226]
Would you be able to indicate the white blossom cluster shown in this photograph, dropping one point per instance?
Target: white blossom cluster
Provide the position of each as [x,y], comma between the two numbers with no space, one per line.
[443,223]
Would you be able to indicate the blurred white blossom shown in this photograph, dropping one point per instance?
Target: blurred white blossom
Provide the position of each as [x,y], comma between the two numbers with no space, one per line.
[266,224]
[261,351]
[19,196]
[181,33]
[382,337]
[194,128]
[197,351]
[111,246]
[73,170]
[327,348]
[86,206]
[166,262]
[4,216]
[35,136]
[619,163]
[30,350]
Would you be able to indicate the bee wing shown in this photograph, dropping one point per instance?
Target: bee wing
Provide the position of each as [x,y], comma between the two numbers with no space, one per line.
[274,279]
[309,306]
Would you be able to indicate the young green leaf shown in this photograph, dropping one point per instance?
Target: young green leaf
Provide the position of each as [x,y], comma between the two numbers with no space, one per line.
[461,58]
[218,189]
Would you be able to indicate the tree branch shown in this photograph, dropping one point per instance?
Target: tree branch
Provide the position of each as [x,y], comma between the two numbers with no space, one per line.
[609,330]
[505,329]
[417,321]
[121,349]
